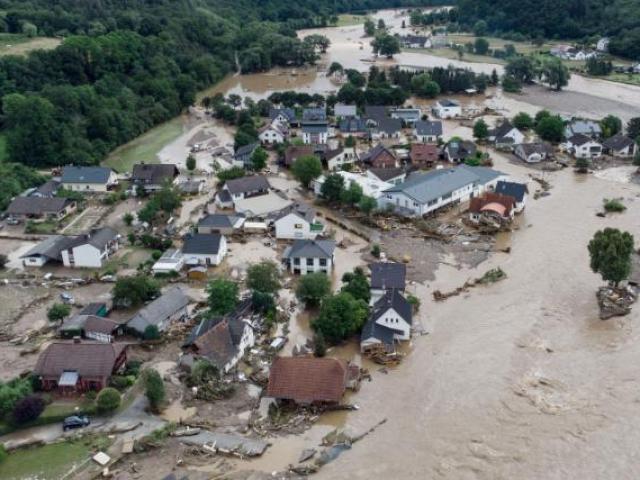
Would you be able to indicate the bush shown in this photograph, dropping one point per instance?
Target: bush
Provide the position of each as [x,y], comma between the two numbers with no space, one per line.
[151,332]
[264,277]
[134,291]
[154,389]
[375,250]
[132,368]
[28,409]
[414,302]
[319,346]
[108,400]
[614,206]
[3,453]
[120,382]
[340,317]
[91,395]
[223,296]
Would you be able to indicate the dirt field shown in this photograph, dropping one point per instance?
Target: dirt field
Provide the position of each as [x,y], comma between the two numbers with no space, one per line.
[11,44]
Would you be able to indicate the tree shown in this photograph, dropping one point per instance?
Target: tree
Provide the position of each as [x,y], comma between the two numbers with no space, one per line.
[495,79]
[28,409]
[332,188]
[127,218]
[633,128]
[167,199]
[480,130]
[480,28]
[334,67]
[350,142]
[555,73]
[133,291]
[154,388]
[191,163]
[262,302]
[369,28]
[481,46]
[582,165]
[367,204]
[306,168]
[352,195]
[523,121]
[511,84]
[230,174]
[611,125]
[58,312]
[223,296]
[551,128]
[264,277]
[381,24]
[423,86]
[151,332]
[259,159]
[522,69]
[385,44]
[108,400]
[610,251]
[340,317]
[312,288]
[357,285]
[319,346]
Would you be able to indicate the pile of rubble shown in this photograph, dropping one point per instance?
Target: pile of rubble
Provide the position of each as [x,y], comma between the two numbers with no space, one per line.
[491,276]
[615,302]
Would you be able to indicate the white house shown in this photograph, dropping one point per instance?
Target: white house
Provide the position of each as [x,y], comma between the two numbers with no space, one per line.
[341,156]
[315,133]
[582,146]
[447,108]
[310,256]
[247,187]
[90,250]
[394,176]
[88,179]
[390,322]
[620,146]
[272,134]
[428,131]
[172,260]
[506,134]
[371,187]
[204,248]
[285,117]
[297,222]
[533,152]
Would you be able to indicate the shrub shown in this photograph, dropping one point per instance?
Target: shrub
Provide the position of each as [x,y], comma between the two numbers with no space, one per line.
[108,400]
[3,453]
[132,368]
[120,382]
[375,250]
[28,409]
[614,206]
[154,389]
[151,332]
[414,302]
[319,346]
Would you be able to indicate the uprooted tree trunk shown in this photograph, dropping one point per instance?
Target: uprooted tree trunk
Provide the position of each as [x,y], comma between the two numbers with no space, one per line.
[615,302]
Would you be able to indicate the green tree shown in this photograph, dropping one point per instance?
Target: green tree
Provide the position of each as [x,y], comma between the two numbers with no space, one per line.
[480,130]
[319,346]
[264,277]
[340,317]
[381,24]
[523,121]
[334,67]
[230,174]
[350,142]
[262,302]
[480,28]
[58,312]
[191,163]
[313,287]
[369,27]
[522,69]
[385,44]
[154,388]
[367,204]
[306,168]
[611,125]
[223,296]
[357,284]
[259,159]
[28,409]
[11,393]
[551,128]
[423,86]
[633,128]
[108,400]
[610,251]
[332,188]
[582,165]
[511,84]
[351,195]
[134,291]
[481,46]
[151,332]
[167,198]
[555,73]
[127,218]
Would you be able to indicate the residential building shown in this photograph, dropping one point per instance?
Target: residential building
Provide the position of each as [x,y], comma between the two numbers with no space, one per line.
[168,308]
[172,260]
[98,309]
[603,45]
[385,128]
[286,117]
[620,146]
[582,146]
[353,126]
[297,222]
[314,114]
[294,152]
[310,256]
[386,276]
[243,154]
[315,133]
[492,207]
[390,322]
[408,116]
[223,199]
[414,41]
[220,223]
[428,131]
[91,327]
[394,176]
[49,250]
[424,155]
[379,157]
[447,108]
[337,158]
[506,134]
[517,191]
[48,189]
[246,187]
[152,177]
[40,208]
[88,179]
[92,249]
[273,134]
[192,187]
[371,186]
[590,128]
[533,152]
[204,248]
[310,380]
[79,366]
[340,110]
[457,151]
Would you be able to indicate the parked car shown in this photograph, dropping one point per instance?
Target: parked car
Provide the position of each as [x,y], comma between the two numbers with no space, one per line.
[75,421]
[13,221]
[67,298]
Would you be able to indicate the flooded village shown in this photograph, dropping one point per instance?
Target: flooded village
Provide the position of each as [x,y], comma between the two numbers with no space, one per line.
[388,291]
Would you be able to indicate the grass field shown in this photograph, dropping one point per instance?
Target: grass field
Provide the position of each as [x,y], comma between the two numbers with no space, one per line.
[145,147]
[50,462]
[631,79]
[17,44]
[347,20]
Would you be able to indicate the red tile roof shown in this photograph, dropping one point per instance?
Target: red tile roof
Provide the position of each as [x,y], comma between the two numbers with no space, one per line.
[307,380]
[424,153]
[89,359]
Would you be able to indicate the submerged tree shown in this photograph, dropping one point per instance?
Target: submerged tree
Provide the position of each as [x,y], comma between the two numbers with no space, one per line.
[610,251]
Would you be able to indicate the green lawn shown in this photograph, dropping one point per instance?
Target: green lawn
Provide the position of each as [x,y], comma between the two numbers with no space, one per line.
[631,79]
[145,147]
[18,44]
[49,462]
[347,20]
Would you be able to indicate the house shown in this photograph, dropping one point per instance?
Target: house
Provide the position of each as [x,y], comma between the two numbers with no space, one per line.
[172,260]
[220,223]
[79,366]
[91,327]
[589,128]
[636,68]
[447,108]
[48,189]
[286,117]
[49,250]
[414,41]
[582,146]
[310,256]
[518,191]
[371,186]
[394,176]
[427,131]
[506,134]
[492,207]
[297,221]
[387,276]
[88,179]
[374,113]
[379,157]
[423,193]
[168,308]
[98,309]
[40,208]
[390,321]
[488,178]
[204,248]
[340,110]
[314,114]
[91,250]
[273,134]
[315,133]
[294,152]
[337,158]
[191,187]
[620,146]
[309,380]
[246,187]
[152,177]
[385,128]
[408,116]
[243,154]
[457,151]
[353,126]
[223,199]
[424,155]
[533,152]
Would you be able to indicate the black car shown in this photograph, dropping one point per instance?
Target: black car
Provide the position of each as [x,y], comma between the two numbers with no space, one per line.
[75,421]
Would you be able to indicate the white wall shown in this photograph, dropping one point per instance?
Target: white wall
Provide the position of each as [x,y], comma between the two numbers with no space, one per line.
[85,187]
[314,267]
[293,227]
[392,319]
[84,256]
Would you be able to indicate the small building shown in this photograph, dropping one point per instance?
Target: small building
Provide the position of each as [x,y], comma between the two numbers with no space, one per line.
[49,250]
[172,260]
[457,151]
[379,157]
[297,222]
[517,191]
[428,131]
[337,158]
[310,256]
[243,154]
[48,189]
[390,322]
[414,41]
[309,380]
[151,177]
[91,327]
[491,207]
[394,176]
[447,108]
[79,366]
[620,146]
[424,155]
[40,208]
[385,128]
[88,179]
[590,128]
[223,199]
[294,152]
[247,187]
[98,309]
[533,152]
[91,250]
[583,146]
[314,114]
[204,248]
[408,116]
[168,308]
[353,126]
[371,186]
[284,116]
[221,223]
[506,134]
[386,276]
[340,110]
[273,134]
[191,187]
[315,133]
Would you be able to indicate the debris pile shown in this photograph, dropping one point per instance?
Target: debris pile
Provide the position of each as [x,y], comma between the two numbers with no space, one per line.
[615,302]
[491,276]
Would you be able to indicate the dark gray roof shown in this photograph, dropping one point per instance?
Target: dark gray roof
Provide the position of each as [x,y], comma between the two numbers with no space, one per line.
[246,150]
[300,209]
[98,175]
[99,237]
[93,308]
[447,102]
[89,323]
[502,129]
[393,299]
[484,174]
[459,150]
[50,248]
[430,186]
[247,184]
[618,142]
[580,139]
[386,174]
[372,154]
[353,125]
[219,220]
[387,275]
[288,113]
[159,310]
[311,249]
[224,196]
[314,114]
[201,244]
[242,309]
[153,173]
[375,112]
[540,148]
[428,127]
[37,205]
[389,125]
[512,189]
[48,189]
[384,334]
[315,127]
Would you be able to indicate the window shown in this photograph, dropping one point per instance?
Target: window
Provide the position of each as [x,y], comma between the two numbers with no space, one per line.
[296,261]
[323,262]
[297,226]
[309,262]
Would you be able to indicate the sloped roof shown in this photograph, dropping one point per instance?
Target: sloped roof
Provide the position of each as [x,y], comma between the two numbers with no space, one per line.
[447,102]
[389,125]
[90,323]
[538,147]
[375,112]
[311,249]
[502,129]
[247,184]
[50,248]
[353,125]
[429,128]
[288,113]
[512,189]
[302,210]
[219,220]
[386,174]
[293,152]
[242,309]
[217,344]
[433,185]
[153,173]
[315,127]
[387,275]
[201,244]
[375,152]
[458,150]
[484,174]
[423,152]
[93,308]
[97,175]
[372,329]
[37,205]
[580,139]
[314,114]
[89,359]
[246,150]
[393,299]
[307,379]
[618,142]
[159,310]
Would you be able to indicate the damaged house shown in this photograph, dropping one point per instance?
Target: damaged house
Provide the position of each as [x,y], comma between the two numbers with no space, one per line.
[168,308]
[387,276]
[492,209]
[390,322]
